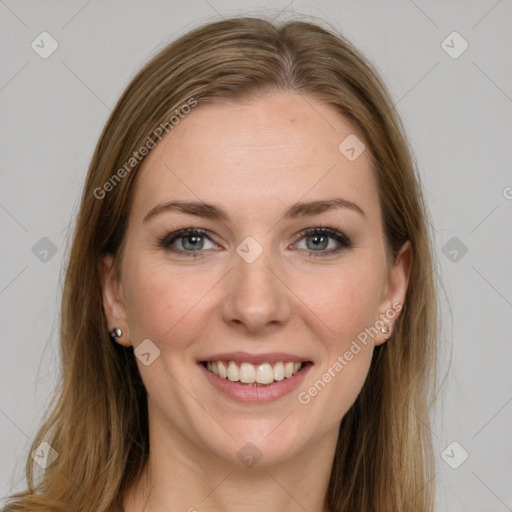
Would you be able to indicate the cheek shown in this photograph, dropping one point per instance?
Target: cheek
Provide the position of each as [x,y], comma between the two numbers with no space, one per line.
[171,306]
[347,303]
[346,300]
[347,307]
[158,300]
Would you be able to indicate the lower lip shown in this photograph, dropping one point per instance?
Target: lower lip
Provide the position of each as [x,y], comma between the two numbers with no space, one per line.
[256,394]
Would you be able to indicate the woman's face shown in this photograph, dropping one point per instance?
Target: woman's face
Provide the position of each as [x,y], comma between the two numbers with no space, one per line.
[254,288]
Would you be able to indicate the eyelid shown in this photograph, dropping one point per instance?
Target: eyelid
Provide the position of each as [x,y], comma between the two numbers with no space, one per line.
[343,240]
[170,237]
[338,235]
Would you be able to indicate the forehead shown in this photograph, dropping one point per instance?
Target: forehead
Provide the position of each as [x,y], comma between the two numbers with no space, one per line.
[273,150]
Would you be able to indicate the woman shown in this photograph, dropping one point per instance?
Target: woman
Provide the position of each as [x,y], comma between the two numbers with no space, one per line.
[249,312]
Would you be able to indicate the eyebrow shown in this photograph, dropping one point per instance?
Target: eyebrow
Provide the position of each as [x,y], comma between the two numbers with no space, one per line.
[215,212]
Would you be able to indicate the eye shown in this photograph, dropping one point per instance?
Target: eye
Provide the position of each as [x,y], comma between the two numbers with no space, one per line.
[193,242]
[323,241]
[189,242]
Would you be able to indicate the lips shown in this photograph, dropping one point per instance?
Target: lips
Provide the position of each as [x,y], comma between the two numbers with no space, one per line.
[255,377]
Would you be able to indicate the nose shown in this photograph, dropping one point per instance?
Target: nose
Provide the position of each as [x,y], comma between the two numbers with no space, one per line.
[257,298]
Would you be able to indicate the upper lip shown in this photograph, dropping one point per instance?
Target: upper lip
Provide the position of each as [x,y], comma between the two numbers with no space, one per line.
[245,357]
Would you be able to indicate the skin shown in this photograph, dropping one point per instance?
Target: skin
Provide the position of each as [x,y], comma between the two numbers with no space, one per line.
[254,159]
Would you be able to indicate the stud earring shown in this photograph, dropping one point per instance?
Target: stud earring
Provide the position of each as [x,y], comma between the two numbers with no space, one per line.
[115,332]
[385,330]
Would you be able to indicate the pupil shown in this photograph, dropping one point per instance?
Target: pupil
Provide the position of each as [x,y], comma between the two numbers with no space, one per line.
[195,244]
[318,244]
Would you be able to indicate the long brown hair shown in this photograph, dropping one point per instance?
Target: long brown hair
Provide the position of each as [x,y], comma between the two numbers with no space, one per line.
[97,422]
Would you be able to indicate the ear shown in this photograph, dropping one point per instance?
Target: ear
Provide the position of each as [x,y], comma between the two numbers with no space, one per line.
[396,289]
[113,303]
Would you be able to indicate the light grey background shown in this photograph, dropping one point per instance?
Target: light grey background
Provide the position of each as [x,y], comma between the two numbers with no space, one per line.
[458,114]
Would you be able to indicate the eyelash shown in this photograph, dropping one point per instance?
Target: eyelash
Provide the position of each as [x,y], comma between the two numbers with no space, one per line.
[344,241]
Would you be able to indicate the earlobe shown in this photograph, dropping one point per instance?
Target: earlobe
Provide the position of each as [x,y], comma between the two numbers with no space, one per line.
[113,305]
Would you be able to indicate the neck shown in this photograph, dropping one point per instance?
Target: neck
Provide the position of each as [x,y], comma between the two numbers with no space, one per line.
[180,475]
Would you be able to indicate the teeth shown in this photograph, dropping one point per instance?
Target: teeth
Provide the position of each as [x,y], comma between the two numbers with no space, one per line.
[247,373]
[279,371]
[264,374]
[288,370]
[223,372]
[233,371]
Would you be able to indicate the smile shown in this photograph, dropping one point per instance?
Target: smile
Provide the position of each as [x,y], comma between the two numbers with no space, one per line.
[254,378]
[247,373]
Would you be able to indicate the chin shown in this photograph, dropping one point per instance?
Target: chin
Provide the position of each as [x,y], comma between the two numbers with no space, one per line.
[259,442]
